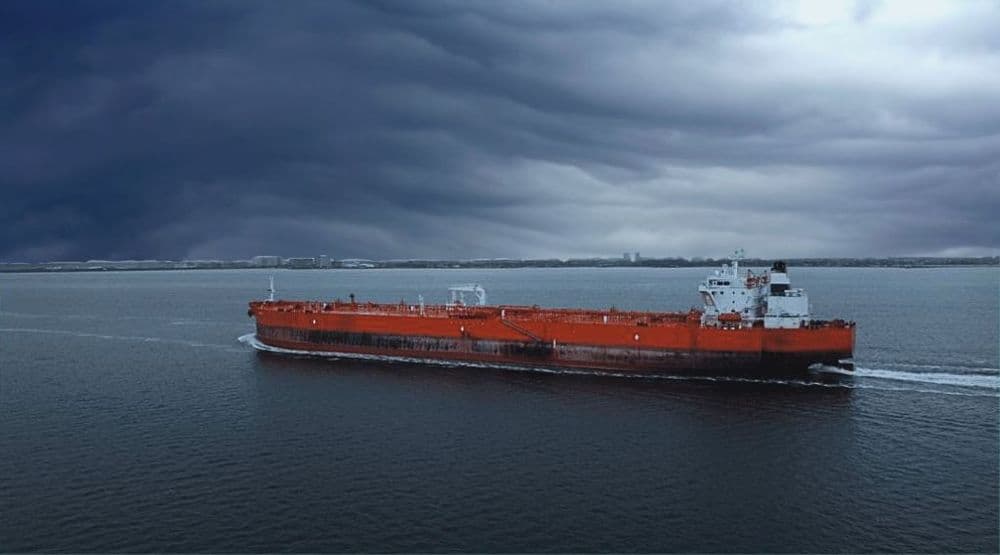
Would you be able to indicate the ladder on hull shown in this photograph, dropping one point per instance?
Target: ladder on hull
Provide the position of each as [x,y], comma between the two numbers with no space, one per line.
[521,330]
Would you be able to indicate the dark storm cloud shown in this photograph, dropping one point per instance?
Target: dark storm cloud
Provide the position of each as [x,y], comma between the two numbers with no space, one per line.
[469,129]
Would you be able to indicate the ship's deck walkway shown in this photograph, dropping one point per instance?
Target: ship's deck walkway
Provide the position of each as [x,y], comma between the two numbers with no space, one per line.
[516,313]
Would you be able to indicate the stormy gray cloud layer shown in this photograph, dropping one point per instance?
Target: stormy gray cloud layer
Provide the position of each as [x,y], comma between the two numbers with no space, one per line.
[498,129]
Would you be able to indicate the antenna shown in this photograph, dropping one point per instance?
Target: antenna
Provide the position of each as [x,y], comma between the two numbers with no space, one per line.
[738,255]
[270,290]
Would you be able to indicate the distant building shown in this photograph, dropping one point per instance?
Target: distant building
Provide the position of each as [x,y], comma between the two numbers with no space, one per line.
[324,261]
[266,261]
[300,262]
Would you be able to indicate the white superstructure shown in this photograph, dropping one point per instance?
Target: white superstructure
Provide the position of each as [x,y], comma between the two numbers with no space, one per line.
[752,300]
[458,292]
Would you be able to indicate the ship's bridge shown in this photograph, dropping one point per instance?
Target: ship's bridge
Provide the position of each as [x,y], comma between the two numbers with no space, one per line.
[733,300]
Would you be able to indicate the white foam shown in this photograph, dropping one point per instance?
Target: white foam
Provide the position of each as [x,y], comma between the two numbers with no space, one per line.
[960,367]
[986,381]
[937,378]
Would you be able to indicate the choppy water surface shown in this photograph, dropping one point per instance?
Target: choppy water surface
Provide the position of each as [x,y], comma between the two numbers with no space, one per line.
[134,420]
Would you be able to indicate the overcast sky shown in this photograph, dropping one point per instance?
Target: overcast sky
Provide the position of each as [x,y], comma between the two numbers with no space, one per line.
[466,129]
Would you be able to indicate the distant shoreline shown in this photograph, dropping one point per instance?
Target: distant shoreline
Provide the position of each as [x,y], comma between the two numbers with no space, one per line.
[354,264]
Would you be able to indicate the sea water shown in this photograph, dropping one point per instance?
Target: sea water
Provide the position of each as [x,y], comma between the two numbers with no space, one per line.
[133,419]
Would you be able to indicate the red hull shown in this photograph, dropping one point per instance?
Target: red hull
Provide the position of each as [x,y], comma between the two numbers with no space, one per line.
[634,342]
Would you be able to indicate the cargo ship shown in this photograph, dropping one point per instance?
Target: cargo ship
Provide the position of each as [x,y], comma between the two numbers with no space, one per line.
[748,325]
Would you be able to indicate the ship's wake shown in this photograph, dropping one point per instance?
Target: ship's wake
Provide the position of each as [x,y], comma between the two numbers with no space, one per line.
[131,338]
[938,378]
[977,385]
[983,378]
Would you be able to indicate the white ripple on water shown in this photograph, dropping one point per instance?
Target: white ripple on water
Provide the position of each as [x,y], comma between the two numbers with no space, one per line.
[961,367]
[143,339]
[173,321]
[987,382]
[935,378]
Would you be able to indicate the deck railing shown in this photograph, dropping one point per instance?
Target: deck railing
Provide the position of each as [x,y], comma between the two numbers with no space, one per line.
[514,313]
